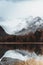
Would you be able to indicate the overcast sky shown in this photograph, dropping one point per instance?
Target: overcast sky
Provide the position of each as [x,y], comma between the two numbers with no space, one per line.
[11,9]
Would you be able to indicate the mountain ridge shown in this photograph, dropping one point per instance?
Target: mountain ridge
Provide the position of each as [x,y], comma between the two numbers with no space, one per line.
[25,27]
[33,32]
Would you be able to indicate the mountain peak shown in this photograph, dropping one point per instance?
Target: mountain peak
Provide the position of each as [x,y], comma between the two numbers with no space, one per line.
[37,18]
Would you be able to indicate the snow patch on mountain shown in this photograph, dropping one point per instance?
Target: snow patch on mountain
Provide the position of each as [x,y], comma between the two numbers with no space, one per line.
[22,26]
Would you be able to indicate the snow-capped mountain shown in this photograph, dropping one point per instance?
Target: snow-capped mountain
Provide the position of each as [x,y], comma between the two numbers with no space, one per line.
[22,26]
